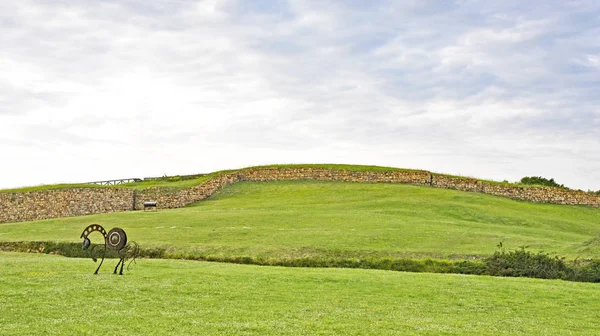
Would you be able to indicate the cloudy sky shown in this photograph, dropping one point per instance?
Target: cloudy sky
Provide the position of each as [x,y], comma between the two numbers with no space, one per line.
[93,90]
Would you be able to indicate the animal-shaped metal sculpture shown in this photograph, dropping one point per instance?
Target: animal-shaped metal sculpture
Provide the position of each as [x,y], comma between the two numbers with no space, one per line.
[116,240]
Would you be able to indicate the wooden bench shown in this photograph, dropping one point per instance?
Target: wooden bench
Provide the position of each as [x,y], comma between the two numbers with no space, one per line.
[150,205]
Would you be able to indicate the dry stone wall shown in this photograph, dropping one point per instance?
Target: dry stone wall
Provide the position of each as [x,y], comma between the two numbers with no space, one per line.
[169,198]
[45,204]
[544,195]
[166,198]
[456,183]
[321,174]
[530,194]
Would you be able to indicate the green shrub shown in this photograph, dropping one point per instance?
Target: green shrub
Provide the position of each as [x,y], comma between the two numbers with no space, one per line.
[538,180]
[522,263]
[518,263]
[588,272]
[469,267]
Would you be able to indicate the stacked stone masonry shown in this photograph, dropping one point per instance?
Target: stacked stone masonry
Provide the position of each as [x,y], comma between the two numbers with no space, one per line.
[44,204]
[35,205]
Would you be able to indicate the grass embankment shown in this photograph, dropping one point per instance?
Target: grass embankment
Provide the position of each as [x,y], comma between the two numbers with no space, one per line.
[54,187]
[55,295]
[333,220]
[173,182]
[185,182]
[359,168]
[179,182]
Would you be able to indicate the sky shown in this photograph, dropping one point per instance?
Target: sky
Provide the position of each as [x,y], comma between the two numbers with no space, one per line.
[96,90]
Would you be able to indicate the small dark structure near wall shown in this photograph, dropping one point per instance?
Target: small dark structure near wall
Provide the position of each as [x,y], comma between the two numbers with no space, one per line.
[116,240]
[150,205]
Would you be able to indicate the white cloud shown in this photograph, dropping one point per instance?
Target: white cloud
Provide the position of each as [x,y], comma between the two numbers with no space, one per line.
[593,61]
[132,88]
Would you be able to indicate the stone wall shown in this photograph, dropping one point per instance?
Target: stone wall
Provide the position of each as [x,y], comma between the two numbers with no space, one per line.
[321,174]
[544,195]
[45,204]
[456,183]
[530,194]
[166,198]
[170,198]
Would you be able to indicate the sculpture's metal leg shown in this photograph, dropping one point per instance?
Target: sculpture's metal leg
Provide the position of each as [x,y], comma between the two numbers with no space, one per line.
[134,250]
[101,261]
[122,264]
[116,267]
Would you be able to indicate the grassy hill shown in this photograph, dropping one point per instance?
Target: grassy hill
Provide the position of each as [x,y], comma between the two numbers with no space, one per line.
[312,224]
[300,219]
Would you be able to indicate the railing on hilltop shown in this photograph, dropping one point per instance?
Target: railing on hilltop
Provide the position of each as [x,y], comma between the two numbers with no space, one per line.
[116,182]
[135,179]
[176,177]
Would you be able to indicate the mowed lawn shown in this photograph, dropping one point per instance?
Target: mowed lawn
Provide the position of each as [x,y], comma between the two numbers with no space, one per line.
[45,294]
[308,218]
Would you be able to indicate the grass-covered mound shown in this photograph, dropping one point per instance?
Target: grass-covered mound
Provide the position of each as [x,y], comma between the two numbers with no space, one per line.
[308,223]
[187,181]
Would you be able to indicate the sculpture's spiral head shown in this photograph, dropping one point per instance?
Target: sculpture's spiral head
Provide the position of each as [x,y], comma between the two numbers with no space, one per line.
[86,243]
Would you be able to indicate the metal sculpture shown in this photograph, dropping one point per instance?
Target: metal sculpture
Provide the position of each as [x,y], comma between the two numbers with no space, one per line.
[116,240]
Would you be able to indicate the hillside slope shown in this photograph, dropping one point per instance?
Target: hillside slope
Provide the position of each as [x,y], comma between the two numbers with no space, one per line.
[294,219]
[66,202]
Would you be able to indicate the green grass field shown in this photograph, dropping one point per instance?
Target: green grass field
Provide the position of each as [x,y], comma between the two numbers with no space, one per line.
[335,219]
[44,295]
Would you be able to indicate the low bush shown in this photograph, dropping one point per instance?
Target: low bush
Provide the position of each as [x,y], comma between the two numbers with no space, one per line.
[523,263]
[588,271]
[538,180]
[518,263]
